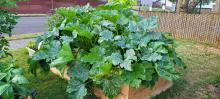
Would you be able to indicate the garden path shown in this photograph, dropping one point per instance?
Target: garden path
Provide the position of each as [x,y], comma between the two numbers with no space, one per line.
[30,25]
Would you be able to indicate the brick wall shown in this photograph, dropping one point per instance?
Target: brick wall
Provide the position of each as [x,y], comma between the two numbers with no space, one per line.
[45,6]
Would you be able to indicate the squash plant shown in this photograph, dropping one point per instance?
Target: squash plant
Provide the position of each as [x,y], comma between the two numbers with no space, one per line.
[106,47]
[11,77]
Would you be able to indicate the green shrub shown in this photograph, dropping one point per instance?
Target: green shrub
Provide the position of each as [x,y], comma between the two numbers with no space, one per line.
[106,47]
[7,22]
[11,77]
[12,80]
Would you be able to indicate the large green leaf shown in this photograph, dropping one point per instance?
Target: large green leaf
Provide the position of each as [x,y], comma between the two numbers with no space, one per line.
[18,71]
[151,36]
[97,72]
[66,39]
[148,24]
[19,79]
[66,12]
[141,71]
[130,55]
[129,58]
[116,58]
[95,55]
[126,64]
[6,91]
[53,49]
[167,71]
[49,51]
[85,33]
[4,87]
[92,58]
[39,55]
[122,20]
[65,56]
[112,86]
[152,57]
[79,72]
[2,75]
[106,23]
[34,66]
[106,35]
[77,89]
[23,91]
[132,26]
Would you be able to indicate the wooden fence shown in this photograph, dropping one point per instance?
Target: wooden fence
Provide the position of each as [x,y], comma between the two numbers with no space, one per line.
[199,27]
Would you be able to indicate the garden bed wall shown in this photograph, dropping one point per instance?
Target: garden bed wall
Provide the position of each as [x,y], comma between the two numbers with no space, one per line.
[199,27]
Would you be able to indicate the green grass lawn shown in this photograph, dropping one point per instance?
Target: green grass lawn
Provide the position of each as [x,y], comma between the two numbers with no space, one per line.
[48,86]
[201,79]
[202,74]
[24,36]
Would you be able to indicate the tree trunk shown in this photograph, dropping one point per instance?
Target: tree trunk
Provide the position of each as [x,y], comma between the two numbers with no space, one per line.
[217,8]
[178,6]
[185,6]
[188,6]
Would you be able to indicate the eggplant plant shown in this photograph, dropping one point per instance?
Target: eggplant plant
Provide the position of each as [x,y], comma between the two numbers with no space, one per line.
[106,47]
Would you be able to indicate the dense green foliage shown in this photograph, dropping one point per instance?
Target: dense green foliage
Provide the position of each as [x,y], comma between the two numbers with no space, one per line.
[11,77]
[128,3]
[106,47]
[11,3]
[202,62]
[7,22]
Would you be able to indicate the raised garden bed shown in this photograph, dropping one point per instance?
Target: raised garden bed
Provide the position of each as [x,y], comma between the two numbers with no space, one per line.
[126,91]
[109,49]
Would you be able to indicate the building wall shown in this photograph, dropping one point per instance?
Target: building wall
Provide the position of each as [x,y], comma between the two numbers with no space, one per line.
[46,6]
